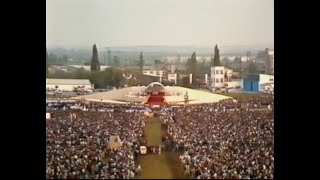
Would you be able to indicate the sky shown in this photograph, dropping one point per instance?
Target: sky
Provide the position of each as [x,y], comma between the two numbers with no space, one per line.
[159,22]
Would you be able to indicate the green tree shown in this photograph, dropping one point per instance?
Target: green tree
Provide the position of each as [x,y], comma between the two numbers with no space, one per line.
[238,63]
[111,77]
[116,61]
[95,64]
[216,58]
[192,66]
[203,67]
[141,62]
[65,59]
[188,65]
[185,82]
[157,62]
[81,73]
[52,58]
[226,62]
[252,68]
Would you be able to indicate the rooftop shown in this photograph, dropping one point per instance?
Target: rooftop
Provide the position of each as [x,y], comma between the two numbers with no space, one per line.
[68,81]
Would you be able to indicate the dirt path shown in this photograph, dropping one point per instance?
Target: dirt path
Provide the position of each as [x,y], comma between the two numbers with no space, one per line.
[154,166]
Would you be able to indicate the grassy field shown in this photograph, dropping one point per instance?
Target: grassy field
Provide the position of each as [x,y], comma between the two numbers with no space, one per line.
[154,166]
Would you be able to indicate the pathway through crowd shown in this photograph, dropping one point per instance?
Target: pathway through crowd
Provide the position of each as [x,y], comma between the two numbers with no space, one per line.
[155,166]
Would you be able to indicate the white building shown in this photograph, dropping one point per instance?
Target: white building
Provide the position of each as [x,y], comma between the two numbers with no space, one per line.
[173,78]
[266,82]
[88,68]
[68,84]
[155,73]
[258,82]
[235,84]
[217,76]
[270,61]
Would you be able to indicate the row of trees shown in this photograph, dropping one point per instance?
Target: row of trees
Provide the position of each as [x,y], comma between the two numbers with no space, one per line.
[193,68]
[101,79]
[54,59]
[113,76]
[110,77]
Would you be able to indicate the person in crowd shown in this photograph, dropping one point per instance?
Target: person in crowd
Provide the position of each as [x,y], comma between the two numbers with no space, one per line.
[225,140]
[77,148]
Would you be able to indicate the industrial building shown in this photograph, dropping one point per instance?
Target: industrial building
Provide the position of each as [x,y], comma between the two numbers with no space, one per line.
[257,82]
[68,84]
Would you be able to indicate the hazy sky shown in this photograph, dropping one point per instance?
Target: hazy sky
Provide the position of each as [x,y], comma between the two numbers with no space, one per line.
[159,22]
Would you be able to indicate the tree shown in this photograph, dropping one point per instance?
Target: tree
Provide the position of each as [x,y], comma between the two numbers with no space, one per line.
[109,77]
[185,82]
[252,68]
[65,59]
[141,62]
[157,62]
[116,61]
[95,64]
[192,65]
[203,67]
[248,54]
[178,59]
[226,62]
[216,58]
[52,58]
[47,62]
[80,73]
[238,61]
[126,62]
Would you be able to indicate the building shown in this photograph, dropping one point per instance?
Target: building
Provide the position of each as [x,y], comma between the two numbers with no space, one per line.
[217,76]
[156,73]
[173,77]
[269,61]
[68,84]
[88,68]
[55,68]
[154,94]
[257,82]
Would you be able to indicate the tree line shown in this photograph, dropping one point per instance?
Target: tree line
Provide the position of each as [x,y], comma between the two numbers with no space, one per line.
[113,76]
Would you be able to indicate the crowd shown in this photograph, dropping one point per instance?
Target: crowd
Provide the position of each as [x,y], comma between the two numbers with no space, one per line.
[225,140]
[77,146]
[231,143]
[98,107]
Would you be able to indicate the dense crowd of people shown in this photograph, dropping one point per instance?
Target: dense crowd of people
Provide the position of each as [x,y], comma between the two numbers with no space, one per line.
[77,144]
[226,140]
[98,107]
[231,143]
